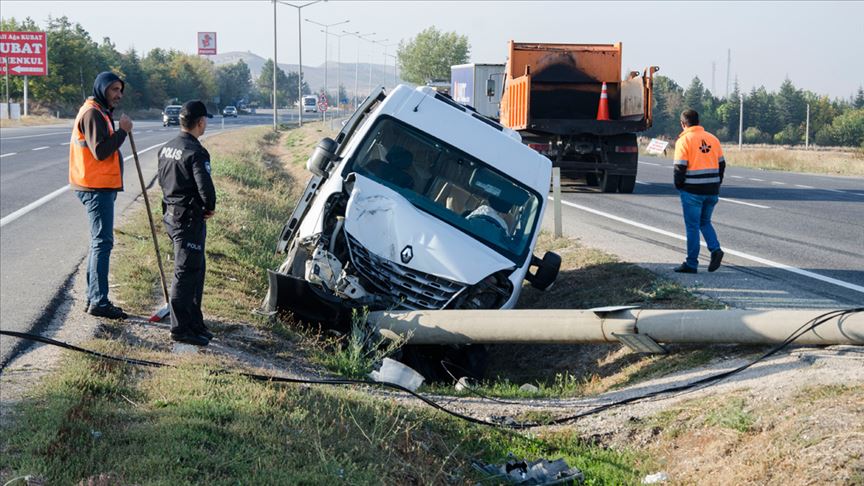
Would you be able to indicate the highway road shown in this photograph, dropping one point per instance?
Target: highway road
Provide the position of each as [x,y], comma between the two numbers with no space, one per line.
[43,226]
[805,231]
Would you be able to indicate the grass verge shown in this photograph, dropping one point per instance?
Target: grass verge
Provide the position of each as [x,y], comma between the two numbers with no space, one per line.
[105,423]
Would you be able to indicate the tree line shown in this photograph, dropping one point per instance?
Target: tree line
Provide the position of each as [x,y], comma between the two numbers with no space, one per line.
[769,117]
[158,78]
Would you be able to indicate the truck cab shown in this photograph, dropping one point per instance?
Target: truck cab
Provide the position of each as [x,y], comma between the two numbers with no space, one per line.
[417,204]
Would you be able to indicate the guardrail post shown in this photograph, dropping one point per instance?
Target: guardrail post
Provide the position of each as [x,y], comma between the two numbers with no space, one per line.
[556,200]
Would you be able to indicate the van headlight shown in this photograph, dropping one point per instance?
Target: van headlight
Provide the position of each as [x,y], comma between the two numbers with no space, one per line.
[490,293]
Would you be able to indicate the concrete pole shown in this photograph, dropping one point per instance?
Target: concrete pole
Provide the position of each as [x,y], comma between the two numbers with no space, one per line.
[300,69]
[275,67]
[740,120]
[556,200]
[597,326]
[806,130]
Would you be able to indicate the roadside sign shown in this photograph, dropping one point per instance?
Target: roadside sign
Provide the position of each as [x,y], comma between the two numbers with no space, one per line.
[656,146]
[23,53]
[322,103]
[206,43]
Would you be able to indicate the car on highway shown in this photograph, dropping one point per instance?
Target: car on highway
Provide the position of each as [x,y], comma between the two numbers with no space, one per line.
[310,103]
[229,111]
[171,115]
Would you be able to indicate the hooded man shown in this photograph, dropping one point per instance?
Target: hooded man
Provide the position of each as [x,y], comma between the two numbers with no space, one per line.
[96,175]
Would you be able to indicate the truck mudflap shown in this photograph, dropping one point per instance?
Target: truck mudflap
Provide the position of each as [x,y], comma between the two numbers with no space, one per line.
[286,293]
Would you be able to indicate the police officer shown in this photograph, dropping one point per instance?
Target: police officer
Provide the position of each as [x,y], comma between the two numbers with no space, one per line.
[188,200]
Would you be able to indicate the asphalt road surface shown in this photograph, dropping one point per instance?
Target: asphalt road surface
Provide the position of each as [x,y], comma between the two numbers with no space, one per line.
[43,226]
[805,231]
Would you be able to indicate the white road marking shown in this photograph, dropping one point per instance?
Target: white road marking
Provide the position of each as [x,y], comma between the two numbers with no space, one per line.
[649,163]
[736,177]
[8,155]
[744,203]
[764,261]
[33,136]
[778,183]
[643,183]
[802,186]
[757,180]
[40,148]
[857,193]
[44,199]
[65,143]
[834,190]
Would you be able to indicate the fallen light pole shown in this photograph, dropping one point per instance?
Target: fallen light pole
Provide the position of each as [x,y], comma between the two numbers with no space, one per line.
[640,329]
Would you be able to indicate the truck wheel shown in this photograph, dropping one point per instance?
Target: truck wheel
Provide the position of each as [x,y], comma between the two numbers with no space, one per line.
[626,184]
[591,179]
[608,182]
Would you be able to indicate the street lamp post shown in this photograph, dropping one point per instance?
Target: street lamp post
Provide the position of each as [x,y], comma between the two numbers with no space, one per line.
[359,36]
[275,106]
[326,33]
[384,75]
[395,68]
[300,60]
[379,41]
[339,68]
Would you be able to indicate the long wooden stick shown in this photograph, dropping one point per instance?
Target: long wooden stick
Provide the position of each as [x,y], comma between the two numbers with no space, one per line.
[150,219]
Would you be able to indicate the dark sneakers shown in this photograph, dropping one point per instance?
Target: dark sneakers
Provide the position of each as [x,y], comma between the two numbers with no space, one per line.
[108,311]
[716,259]
[684,268]
[206,333]
[190,338]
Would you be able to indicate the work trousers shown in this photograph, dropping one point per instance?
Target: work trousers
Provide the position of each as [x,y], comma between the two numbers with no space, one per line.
[100,213]
[188,232]
[697,210]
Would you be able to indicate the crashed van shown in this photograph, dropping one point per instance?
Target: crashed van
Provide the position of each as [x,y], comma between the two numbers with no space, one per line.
[419,203]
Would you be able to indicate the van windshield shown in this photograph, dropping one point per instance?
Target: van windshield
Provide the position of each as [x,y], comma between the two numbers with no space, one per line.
[172,110]
[309,101]
[451,185]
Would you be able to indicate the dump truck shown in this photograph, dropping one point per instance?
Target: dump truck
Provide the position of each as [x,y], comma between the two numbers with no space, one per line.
[551,97]
[468,87]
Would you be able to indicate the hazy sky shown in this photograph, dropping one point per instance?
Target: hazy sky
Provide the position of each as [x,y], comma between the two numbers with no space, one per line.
[819,45]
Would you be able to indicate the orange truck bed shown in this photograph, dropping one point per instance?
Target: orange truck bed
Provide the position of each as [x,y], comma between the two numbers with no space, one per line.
[554,89]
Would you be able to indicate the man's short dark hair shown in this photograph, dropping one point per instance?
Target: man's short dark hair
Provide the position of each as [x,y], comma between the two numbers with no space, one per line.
[189,123]
[690,118]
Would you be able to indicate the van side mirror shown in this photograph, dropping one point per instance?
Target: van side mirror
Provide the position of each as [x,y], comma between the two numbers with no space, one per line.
[324,153]
[547,271]
[490,88]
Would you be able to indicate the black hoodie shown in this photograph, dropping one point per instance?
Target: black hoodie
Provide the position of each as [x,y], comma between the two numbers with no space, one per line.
[94,128]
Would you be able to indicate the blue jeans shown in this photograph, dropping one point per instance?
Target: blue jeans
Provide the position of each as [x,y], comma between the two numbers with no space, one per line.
[697,218]
[100,211]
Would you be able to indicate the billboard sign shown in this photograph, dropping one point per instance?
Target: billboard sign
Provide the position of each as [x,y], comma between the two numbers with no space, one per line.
[206,43]
[23,54]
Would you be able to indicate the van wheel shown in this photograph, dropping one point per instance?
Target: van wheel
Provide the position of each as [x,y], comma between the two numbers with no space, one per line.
[626,184]
[608,182]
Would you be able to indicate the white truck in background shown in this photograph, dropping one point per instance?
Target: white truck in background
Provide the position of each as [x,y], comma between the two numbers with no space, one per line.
[470,85]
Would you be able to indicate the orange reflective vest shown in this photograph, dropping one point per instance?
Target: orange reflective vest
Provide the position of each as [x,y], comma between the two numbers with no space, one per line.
[701,154]
[85,170]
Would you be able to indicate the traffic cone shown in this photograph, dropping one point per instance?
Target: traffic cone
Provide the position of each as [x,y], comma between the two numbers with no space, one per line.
[603,109]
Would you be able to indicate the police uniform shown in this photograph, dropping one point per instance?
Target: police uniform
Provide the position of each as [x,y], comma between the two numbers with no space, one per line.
[188,192]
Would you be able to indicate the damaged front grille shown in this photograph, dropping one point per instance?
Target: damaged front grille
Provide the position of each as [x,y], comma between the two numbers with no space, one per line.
[408,288]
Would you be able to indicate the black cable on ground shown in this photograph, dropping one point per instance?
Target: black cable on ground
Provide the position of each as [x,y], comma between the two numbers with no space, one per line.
[807,327]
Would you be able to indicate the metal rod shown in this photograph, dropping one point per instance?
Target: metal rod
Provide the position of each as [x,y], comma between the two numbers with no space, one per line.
[556,200]
[27,81]
[806,130]
[740,120]
[275,67]
[149,218]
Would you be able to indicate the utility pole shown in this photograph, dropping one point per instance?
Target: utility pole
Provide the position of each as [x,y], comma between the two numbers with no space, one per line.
[275,67]
[807,130]
[740,120]
[326,64]
[339,70]
[300,58]
[728,67]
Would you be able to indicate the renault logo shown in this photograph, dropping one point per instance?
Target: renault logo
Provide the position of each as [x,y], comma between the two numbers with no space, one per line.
[407,254]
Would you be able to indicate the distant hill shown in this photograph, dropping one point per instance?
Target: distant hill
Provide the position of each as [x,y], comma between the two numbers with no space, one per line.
[314,75]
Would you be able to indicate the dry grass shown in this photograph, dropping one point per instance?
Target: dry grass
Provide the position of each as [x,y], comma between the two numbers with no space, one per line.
[34,120]
[818,160]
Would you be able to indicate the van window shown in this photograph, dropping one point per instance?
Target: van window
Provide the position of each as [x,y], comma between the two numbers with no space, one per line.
[451,185]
